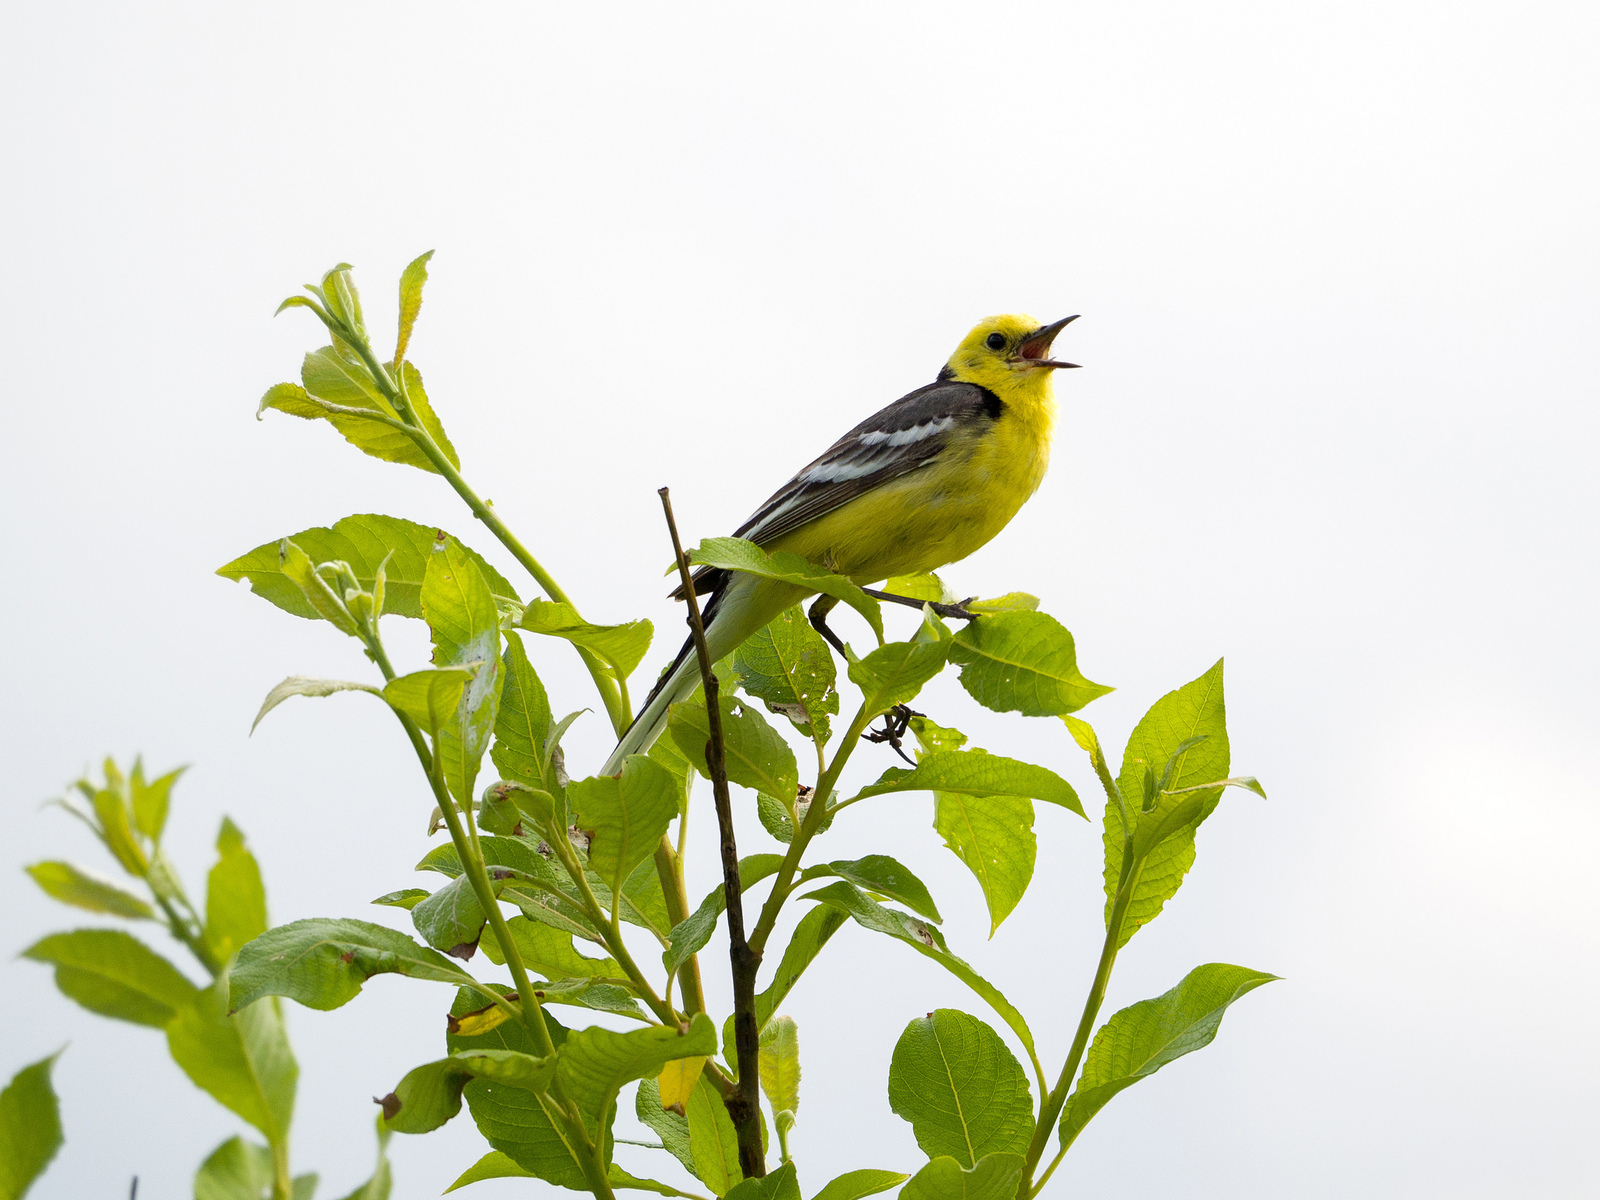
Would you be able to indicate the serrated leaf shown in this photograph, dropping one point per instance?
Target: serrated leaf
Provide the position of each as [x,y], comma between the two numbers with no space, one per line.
[1144,1037]
[975,773]
[756,755]
[993,836]
[963,1091]
[322,962]
[306,685]
[522,725]
[430,1095]
[927,941]
[595,1063]
[365,542]
[690,935]
[624,815]
[243,1060]
[430,698]
[236,902]
[493,1165]
[810,935]
[235,1170]
[788,667]
[780,1064]
[411,281]
[1022,662]
[1164,837]
[465,627]
[619,647]
[736,554]
[317,592]
[895,673]
[66,883]
[993,1178]
[115,974]
[856,1185]
[713,1141]
[30,1127]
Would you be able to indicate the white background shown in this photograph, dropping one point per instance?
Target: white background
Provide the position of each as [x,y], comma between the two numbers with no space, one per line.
[1337,265]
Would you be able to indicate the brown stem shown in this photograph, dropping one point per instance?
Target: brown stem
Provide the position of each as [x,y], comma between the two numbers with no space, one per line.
[744,1105]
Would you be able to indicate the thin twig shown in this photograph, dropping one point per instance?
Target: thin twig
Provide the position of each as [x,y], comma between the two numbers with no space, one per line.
[744,1105]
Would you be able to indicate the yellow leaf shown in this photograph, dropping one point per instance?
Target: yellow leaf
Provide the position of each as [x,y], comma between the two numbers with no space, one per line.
[677,1080]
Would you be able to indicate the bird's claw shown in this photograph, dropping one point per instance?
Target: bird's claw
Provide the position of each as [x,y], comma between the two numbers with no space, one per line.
[895,723]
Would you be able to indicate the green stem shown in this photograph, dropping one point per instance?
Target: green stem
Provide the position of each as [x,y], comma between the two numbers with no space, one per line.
[669,870]
[610,694]
[1050,1110]
[783,883]
[282,1178]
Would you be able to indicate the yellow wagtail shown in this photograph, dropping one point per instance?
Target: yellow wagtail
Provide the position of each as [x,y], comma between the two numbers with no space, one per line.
[922,483]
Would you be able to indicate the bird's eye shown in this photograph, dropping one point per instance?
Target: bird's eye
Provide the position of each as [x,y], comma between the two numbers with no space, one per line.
[995,341]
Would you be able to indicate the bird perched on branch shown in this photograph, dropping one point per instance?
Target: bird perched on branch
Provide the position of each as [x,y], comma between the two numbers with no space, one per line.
[922,483]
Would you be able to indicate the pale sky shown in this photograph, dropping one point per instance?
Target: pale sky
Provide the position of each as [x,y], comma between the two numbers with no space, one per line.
[1337,267]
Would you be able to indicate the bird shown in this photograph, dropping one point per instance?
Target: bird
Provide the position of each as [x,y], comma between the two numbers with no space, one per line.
[919,484]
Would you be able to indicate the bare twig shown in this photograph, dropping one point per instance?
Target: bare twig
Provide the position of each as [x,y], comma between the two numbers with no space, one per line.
[744,1104]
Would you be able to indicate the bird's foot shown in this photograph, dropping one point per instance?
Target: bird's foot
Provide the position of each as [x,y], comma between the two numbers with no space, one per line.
[895,723]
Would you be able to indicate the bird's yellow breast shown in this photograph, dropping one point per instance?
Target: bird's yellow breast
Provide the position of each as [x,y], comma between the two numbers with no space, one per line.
[946,509]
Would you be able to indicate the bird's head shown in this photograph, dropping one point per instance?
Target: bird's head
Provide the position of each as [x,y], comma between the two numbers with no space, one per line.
[1005,353]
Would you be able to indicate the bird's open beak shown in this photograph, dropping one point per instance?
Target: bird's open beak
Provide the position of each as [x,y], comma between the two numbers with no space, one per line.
[1034,349]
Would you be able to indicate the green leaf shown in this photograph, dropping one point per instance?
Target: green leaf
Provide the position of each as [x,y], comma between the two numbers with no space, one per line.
[303,1187]
[305,685]
[780,1064]
[235,1170]
[430,698]
[1022,662]
[713,1141]
[522,726]
[242,1060]
[625,815]
[113,807]
[1164,837]
[365,542]
[451,919]
[411,281]
[316,591]
[1144,1037]
[66,883]
[595,1063]
[690,935]
[856,1185]
[781,1184]
[736,554]
[406,898]
[150,800]
[881,874]
[895,673]
[810,935]
[236,903]
[963,1091]
[757,757]
[925,940]
[620,1179]
[549,952]
[493,1165]
[993,1178]
[926,587]
[30,1127]
[378,1184]
[994,836]
[430,1095]
[114,974]
[619,647]
[465,626]
[322,962]
[1010,602]
[671,1127]
[523,1125]
[788,667]
[975,773]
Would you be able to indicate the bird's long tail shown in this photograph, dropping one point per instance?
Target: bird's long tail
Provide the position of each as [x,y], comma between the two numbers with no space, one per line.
[741,606]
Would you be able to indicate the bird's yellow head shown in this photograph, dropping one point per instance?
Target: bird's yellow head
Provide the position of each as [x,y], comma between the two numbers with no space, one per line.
[1009,355]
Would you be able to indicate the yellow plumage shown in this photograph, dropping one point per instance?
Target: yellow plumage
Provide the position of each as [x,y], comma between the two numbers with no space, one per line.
[923,483]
